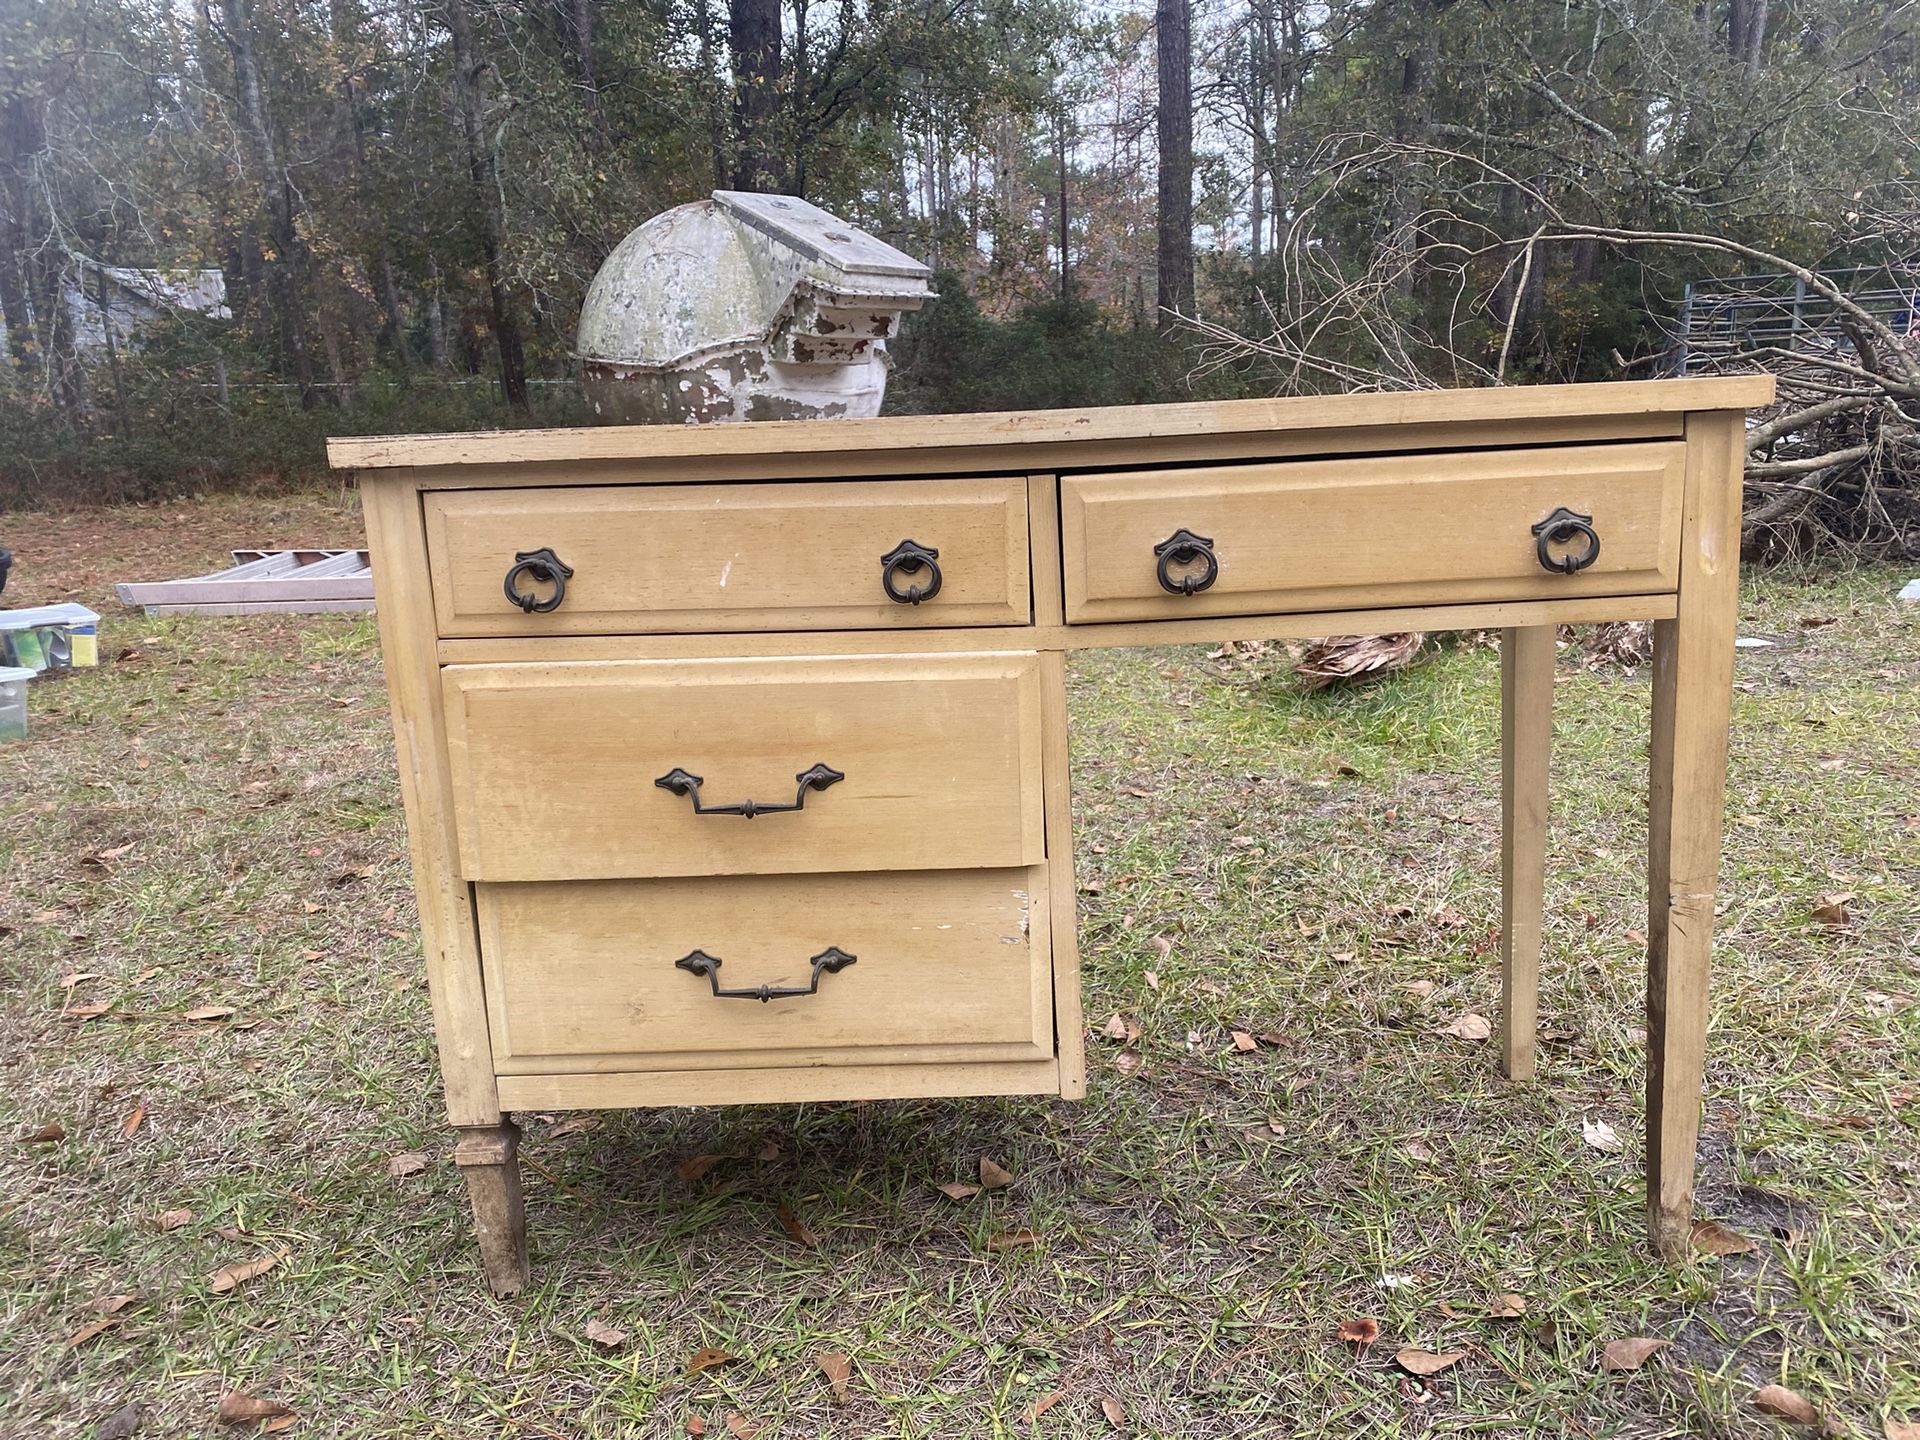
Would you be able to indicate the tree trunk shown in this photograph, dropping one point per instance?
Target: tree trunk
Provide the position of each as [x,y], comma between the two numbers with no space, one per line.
[1258,40]
[1412,125]
[348,43]
[1746,32]
[586,72]
[1066,222]
[1173,24]
[436,318]
[17,125]
[753,41]
[104,299]
[483,168]
[284,273]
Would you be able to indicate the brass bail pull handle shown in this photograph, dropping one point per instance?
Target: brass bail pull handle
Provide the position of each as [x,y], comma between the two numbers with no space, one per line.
[829,961]
[1186,549]
[815,777]
[910,558]
[544,567]
[1565,527]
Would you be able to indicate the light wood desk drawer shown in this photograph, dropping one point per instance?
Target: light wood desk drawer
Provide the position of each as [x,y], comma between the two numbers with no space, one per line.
[617,975]
[558,769]
[1375,532]
[651,559]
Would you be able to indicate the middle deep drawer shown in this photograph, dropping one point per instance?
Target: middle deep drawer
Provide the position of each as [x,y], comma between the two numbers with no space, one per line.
[649,768]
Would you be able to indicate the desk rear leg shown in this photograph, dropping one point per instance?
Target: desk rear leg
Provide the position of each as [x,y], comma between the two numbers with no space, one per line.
[1526,737]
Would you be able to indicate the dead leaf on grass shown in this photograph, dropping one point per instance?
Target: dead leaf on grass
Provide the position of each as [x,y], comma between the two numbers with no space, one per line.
[796,1228]
[1043,1404]
[1419,989]
[604,1335]
[51,1133]
[994,1176]
[1832,909]
[838,1369]
[84,1012]
[1244,1042]
[1900,1429]
[237,1407]
[1630,1354]
[208,1012]
[1115,1028]
[1127,1061]
[959,1190]
[708,1357]
[1470,1026]
[1362,1331]
[91,1332]
[1013,1240]
[171,1220]
[694,1167]
[1162,945]
[1152,978]
[1416,1361]
[241,1271]
[1716,1239]
[132,1122]
[1111,1408]
[573,1125]
[1787,1404]
[112,1304]
[412,1162]
[1508,1306]
[696,1427]
[1601,1136]
[740,1426]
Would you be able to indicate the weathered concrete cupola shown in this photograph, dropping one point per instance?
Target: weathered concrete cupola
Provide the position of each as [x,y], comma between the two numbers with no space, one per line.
[744,307]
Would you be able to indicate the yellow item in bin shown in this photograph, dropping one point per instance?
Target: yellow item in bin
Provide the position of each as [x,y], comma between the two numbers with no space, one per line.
[50,637]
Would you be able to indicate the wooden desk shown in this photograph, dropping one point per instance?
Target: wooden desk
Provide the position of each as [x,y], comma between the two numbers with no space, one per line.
[735,758]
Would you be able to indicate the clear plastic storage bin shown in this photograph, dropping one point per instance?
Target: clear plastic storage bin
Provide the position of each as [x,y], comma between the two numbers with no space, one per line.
[13,702]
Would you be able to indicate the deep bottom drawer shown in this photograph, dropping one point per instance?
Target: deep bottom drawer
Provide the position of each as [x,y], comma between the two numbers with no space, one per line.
[948,967]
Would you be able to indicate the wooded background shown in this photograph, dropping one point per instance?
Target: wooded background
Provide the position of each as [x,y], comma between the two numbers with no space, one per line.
[1124,203]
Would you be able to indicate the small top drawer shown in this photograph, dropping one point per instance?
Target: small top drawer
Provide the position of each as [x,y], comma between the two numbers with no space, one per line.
[664,559]
[1378,532]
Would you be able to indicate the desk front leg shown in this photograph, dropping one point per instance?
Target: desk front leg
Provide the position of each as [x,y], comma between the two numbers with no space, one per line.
[1692,701]
[1526,737]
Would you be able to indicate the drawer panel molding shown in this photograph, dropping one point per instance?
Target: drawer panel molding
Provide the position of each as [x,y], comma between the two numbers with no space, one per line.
[599,770]
[908,968]
[1379,532]
[665,559]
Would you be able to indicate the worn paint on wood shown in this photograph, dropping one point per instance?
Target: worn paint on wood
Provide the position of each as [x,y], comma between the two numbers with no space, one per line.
[744,307]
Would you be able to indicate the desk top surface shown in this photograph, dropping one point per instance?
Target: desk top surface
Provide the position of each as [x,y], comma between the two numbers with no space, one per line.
[907,433]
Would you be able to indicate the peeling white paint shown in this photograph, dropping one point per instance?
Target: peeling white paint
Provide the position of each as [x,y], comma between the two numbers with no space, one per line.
[723,310]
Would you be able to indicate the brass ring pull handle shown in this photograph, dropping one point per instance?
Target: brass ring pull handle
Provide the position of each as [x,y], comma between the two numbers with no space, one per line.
[544,566]
[829,961]
[1563,527]
[816,777]
[911,557]
[1183,547]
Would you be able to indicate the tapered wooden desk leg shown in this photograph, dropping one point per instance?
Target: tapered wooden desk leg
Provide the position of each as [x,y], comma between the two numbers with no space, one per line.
[1692,695]
[1526,737]
[489,1161]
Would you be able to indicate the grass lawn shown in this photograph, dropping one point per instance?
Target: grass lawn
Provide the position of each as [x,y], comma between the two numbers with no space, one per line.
[211,820]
